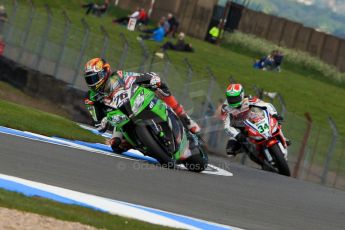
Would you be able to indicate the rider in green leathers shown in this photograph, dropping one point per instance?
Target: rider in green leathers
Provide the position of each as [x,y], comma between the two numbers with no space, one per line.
[103,84]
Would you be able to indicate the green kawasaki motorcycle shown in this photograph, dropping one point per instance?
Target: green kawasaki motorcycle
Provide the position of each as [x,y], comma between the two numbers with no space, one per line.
[153,128]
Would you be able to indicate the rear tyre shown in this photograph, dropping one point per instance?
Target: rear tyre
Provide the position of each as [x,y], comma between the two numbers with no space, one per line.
[153,148]
[280,161]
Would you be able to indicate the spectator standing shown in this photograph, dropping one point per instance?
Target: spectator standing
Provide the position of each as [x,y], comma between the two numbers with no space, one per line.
[214,34]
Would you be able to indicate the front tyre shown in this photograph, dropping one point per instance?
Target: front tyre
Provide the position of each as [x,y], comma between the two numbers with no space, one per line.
[153,148]
[198,161]
[281,164]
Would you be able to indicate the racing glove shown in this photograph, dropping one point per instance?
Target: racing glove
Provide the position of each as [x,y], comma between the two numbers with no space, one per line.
[155,81]
[279,118]
[241,137]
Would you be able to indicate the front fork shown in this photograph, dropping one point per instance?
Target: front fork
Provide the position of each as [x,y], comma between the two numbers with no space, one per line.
[268,155]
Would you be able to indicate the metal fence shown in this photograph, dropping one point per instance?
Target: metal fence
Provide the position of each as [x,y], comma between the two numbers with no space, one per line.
[54,45]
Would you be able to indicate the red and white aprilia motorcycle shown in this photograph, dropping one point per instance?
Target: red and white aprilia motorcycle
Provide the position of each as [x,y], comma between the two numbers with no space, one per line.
[264,131]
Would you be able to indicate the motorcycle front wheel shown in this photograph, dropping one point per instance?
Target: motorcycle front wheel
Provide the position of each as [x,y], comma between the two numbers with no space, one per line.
[280,162]
[198,161]
[153,148]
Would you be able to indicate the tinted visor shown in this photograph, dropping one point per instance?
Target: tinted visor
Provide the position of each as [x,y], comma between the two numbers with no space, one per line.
[234,100]
[93,78]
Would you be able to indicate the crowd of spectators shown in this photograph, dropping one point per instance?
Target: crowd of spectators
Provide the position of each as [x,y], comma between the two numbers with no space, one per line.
[168,26]
[271,61]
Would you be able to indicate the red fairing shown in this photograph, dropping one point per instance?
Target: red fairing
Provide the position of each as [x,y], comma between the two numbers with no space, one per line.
[273,123]
[281,137]
[252,132]
[254,136]
[271,142]
[278,133]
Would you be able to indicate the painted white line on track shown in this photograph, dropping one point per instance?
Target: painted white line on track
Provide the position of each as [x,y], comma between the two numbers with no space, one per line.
[137,155]
[57,141]
[155,216]
[211,170]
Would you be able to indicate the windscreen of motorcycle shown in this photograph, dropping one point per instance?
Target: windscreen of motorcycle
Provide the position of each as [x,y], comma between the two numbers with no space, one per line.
[258,119]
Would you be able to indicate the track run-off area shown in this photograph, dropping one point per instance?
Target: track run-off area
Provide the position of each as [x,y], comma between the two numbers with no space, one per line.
[225,195]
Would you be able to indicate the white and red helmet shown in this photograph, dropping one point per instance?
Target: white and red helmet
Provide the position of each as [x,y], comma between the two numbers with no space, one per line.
[235,95]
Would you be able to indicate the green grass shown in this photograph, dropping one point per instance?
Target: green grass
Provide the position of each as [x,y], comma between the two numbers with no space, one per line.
[300,89]
[29,119]
[72,213]
[305,87]
[298,61]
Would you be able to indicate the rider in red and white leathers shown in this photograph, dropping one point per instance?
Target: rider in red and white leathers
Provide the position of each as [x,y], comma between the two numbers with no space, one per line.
[234,112]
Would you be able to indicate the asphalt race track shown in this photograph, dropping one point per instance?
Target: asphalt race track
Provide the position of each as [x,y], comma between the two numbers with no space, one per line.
[250,199]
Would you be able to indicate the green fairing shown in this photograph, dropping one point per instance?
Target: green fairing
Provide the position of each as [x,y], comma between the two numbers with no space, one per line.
[116,113]
[158,107]
[92,95]
[118,126]
[148,96]
[128,139]
[178,154]
[161,110]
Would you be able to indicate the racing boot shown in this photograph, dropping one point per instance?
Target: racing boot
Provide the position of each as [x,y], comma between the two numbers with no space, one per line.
[191,125]
[232,147]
